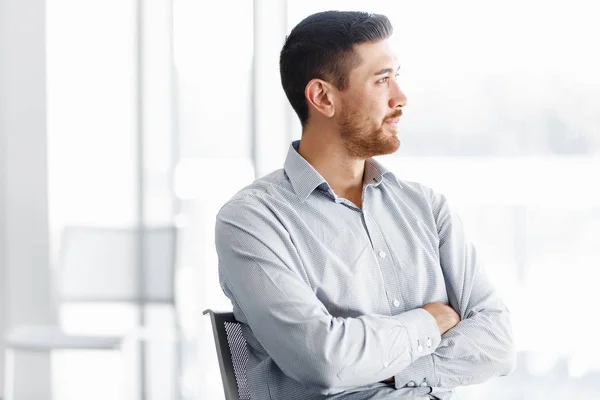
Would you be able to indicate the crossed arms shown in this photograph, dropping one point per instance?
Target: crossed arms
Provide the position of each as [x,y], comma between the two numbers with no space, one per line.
[480,346]
[259,263]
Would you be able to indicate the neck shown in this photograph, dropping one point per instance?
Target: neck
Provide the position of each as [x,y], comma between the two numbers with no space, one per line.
[326,153]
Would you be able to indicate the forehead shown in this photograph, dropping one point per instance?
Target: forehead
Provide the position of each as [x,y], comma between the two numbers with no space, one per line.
[375,56]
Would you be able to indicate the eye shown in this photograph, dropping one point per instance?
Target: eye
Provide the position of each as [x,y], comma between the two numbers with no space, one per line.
[383,80]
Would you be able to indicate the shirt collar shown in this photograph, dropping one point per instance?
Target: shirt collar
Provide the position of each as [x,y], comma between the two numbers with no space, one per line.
[305,179]
[375,172]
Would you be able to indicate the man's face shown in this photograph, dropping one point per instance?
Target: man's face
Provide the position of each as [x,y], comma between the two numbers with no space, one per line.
[371,103]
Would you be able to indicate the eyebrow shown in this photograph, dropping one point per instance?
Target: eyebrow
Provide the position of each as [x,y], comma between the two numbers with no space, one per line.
[386,71]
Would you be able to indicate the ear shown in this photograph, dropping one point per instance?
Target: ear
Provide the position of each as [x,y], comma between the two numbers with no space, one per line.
[320,95]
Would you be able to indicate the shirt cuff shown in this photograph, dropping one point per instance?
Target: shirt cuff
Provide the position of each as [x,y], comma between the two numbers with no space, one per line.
[419,374]
[423,332]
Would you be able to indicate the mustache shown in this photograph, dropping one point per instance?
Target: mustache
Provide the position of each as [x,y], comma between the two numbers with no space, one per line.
[394,115]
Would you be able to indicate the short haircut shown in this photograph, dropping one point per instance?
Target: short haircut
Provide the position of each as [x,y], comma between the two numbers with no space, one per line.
[322,47]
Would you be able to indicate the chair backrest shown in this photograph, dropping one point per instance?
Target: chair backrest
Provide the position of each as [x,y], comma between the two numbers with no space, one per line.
[102,264]
[232,354]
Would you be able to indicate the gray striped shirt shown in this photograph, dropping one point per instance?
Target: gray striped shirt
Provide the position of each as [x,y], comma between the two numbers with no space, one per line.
[329,294]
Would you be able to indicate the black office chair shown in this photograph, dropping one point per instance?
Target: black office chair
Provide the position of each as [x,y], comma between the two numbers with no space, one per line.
[232,354]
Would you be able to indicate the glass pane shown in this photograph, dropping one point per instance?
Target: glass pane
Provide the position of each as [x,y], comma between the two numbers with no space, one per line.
[213,60]
[91,111]
[92,164]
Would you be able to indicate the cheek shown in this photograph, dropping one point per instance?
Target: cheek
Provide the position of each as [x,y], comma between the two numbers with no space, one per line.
[366,107]
[376,113]
[375,106]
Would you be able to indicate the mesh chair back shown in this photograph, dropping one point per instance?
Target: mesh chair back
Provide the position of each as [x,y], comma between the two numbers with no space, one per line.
[232,353]
[102,265]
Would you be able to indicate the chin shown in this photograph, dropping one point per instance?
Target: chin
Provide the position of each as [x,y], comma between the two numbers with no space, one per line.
[394,144]
[390,150]
[388,146]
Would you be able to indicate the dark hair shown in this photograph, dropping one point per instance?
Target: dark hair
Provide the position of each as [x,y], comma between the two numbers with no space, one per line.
[321,46]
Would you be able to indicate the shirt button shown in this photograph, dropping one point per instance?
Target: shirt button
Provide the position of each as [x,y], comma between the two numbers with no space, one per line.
[429,343]
[386,364]
[423,384]
[382,254]
[411,384]
[396,303]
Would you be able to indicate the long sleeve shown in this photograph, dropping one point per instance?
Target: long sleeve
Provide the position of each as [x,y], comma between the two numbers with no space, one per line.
[481,345]
[261,269]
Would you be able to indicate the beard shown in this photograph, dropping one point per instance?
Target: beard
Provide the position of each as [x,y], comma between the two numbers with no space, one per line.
[364,137]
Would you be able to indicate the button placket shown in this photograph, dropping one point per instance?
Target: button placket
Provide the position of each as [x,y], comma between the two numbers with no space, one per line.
[385,263]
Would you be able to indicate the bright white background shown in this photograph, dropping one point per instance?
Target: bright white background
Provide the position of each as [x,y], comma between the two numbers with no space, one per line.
[503,118]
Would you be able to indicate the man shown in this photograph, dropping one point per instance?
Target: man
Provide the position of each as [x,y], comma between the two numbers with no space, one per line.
[350,283]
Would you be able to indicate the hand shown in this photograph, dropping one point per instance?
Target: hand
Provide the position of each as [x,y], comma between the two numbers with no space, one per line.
[444,315]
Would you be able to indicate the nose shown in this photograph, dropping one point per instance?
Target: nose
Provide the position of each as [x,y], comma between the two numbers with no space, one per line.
[397,97]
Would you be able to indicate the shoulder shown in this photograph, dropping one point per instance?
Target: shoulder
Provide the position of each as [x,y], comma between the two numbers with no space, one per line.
[426,201]
[258,198]
[417,191]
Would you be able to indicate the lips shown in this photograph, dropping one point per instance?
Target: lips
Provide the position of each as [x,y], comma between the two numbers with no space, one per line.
[394,119]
